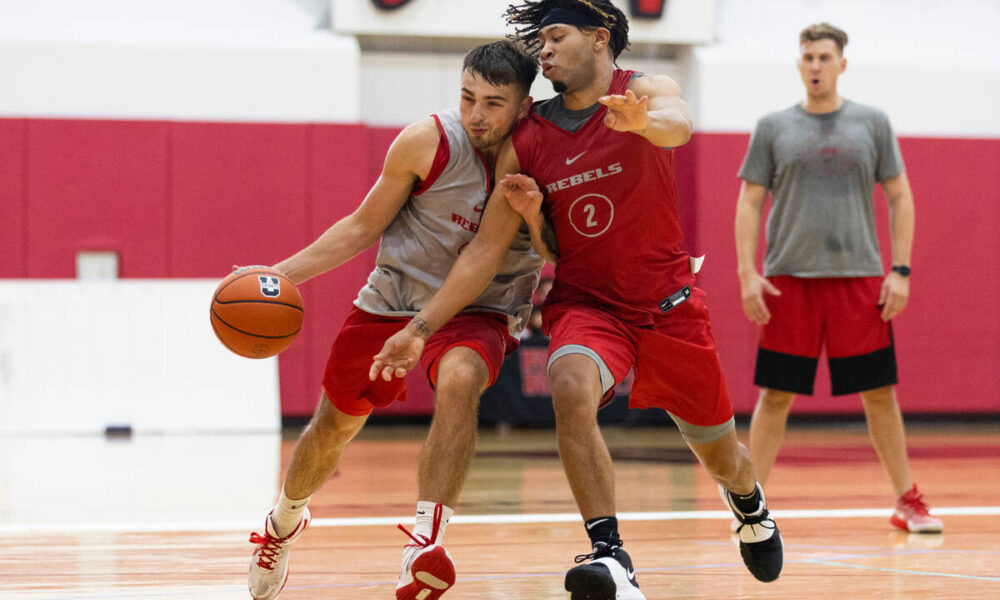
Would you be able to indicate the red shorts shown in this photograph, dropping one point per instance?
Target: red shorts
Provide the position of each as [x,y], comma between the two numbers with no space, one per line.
[841,313]
[346,380]
[676,364]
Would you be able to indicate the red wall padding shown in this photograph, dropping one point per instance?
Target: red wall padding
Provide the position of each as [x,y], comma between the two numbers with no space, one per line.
[192,199]
[13,197]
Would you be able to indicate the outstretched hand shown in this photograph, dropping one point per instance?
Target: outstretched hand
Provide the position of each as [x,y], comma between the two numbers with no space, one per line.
[522,195]
[398,355]
[626,112]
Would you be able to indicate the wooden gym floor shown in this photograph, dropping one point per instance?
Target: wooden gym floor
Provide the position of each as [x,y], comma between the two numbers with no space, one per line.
[169,517]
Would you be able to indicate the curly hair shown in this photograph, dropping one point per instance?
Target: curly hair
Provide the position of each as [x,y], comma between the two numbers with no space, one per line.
[527,18]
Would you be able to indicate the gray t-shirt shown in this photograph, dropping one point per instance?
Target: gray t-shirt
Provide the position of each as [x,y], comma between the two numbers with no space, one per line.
[555,111]
[821,170]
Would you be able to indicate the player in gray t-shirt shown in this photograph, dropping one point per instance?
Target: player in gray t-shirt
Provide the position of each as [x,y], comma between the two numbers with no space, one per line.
[823,282]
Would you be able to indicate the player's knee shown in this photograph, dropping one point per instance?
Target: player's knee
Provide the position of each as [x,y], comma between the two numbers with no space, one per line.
[462,378]
[573,402]
[777,399]
[879,397]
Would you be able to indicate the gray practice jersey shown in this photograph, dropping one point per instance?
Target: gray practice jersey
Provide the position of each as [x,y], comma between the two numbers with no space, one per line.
[821,170]
[442,215]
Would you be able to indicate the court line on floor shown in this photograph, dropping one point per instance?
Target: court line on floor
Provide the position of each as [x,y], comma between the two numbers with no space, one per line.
[497,519]
[834,563]
[239,590]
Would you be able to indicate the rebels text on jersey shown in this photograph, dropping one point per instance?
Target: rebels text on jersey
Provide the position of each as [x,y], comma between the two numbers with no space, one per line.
[612,199]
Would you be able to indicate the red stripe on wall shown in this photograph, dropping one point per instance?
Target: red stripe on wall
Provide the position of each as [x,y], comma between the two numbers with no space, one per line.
[13,197]
[192,199]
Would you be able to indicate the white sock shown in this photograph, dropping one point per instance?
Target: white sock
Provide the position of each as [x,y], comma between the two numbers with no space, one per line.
[287,513]
[424,526]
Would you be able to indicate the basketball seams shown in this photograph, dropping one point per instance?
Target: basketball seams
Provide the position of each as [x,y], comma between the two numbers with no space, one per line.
[256,335]
[219,335]
[285,304]
[268,324]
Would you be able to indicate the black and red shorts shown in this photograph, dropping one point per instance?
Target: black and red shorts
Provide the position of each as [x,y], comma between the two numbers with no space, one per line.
[841,314]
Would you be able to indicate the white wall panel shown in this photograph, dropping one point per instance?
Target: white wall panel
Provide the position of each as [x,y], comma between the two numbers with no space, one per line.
[302,80]
[683,21]
[76,357]
[933,66]
[242,60]
[403,87]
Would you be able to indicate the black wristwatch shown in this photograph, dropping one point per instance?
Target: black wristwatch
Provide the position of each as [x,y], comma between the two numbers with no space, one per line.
[901,269]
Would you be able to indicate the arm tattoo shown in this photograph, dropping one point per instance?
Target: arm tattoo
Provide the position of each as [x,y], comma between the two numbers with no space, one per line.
[421,326]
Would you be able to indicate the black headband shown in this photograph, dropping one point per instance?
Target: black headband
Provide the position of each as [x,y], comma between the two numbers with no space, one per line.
[569,16]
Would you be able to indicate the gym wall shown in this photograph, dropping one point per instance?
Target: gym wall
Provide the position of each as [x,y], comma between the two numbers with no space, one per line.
[186,153]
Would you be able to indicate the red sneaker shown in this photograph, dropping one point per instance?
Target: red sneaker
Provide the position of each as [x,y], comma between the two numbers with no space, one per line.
[912,514]
[428,571]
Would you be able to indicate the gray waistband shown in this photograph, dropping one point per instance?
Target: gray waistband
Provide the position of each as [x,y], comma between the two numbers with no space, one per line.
[702,434]
[607,379]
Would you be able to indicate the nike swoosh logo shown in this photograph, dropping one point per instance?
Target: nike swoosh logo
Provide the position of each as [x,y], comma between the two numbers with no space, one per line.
[477,209]
[630,573]
[570,161]
[595,523]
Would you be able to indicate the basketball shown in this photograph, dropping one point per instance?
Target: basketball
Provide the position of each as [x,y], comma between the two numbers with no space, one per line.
[256,312]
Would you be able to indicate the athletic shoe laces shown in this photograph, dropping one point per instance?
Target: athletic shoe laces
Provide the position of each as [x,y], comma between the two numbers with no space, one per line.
[601,550]
[764,522]
[915,501]
[269,549]
[420,540]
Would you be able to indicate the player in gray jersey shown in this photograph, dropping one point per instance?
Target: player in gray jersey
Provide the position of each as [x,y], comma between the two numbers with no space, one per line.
[425,206]
[823,283]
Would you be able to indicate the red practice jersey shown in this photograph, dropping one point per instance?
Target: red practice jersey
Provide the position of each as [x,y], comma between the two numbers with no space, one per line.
[612,199]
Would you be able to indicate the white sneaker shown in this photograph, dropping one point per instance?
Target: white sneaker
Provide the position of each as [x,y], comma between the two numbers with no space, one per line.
[428,568]
[269,563]
[912,514]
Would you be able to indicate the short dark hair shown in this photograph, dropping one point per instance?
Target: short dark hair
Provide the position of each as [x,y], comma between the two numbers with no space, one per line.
[824,31]
[502,63]
[527,20]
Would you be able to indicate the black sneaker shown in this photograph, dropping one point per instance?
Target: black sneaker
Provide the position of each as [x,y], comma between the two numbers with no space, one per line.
[608,576]
[760,541]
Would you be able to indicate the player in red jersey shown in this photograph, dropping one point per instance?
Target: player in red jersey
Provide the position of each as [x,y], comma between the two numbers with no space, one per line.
[624,294]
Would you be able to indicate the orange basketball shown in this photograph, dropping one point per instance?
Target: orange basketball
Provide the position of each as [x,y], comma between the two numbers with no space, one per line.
[256,312]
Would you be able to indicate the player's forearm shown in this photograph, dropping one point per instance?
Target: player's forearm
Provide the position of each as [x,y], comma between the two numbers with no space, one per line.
[341,242]
[667,128]
[747,234]
[902,217]
[543,238]
[469,276]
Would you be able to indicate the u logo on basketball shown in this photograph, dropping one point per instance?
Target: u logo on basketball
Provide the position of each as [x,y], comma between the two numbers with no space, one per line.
[269,286]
